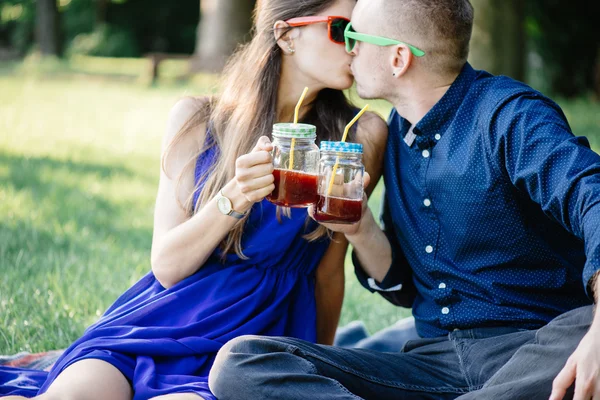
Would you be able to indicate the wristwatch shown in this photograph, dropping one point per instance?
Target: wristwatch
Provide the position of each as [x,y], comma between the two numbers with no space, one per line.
[226,207]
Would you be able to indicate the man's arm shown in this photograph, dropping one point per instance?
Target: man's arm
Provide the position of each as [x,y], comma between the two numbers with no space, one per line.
[379,262]
[583,367]
[378,259]
[372,248]
[534,146]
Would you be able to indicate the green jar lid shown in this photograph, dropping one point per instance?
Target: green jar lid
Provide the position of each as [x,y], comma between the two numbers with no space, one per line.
[297,131]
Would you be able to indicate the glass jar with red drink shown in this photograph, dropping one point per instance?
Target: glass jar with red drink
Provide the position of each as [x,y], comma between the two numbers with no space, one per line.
[296,162]
[341,189]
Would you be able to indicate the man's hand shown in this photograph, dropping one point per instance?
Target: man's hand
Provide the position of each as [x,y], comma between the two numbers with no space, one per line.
[583,367]
[346,229]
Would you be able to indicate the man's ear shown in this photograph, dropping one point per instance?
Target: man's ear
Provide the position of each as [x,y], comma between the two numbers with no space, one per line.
[401,59]
[284,37]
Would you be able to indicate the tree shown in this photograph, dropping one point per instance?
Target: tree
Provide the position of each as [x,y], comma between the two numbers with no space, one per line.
[597,75]
[499,37]
[223,25]
[101,8]
[568,41]
[47,28]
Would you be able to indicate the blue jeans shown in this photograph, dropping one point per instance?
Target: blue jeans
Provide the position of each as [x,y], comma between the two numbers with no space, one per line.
[391,339]
[482,363]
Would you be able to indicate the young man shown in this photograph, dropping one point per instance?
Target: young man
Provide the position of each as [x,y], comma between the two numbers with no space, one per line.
[491,234]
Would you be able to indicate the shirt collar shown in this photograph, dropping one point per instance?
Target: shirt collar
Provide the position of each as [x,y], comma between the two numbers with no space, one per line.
[437,120]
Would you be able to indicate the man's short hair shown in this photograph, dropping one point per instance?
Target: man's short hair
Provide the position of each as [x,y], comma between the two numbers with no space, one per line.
[441,28]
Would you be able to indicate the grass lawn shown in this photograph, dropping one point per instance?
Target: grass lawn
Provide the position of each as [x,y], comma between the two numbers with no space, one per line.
[79,169]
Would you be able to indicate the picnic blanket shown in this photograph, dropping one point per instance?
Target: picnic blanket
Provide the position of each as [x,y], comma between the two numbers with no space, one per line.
[353,335]
[38,361]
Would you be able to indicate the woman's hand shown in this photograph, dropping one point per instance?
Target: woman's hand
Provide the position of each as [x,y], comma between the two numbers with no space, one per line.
[254,172]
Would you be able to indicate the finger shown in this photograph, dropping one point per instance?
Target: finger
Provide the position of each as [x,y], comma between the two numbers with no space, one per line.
[267,147]
[259,195]
[563,381]
[311,211]
[263,144]
[256,183]
[252,159]
[337,191]
[365,205]
[257,171]
[341,228]
[367,179]
[584,387]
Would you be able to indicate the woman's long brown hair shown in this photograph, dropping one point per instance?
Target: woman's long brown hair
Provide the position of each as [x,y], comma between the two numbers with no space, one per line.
[246,108]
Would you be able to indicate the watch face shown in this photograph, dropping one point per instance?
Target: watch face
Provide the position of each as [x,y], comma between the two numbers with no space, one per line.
[224,205]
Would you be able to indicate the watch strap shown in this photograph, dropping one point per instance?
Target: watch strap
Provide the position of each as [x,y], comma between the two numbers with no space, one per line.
[232,213]
[236,214]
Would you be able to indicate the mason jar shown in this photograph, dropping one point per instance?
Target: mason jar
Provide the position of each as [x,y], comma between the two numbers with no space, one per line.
[296,163]
[341,183]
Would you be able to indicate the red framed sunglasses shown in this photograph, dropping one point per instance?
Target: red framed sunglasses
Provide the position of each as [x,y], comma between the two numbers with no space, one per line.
[335,25]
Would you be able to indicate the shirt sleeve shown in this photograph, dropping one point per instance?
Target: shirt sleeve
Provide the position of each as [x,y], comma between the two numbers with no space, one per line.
[534,145]
[397,287]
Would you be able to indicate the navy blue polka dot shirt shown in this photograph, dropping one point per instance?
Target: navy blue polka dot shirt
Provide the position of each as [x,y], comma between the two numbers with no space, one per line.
[492,210]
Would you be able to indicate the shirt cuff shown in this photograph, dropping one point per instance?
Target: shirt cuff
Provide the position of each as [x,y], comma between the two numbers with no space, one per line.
[391,283]
[588,273]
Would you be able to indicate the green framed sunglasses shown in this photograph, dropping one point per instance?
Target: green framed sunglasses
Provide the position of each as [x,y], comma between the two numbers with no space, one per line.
[352,37]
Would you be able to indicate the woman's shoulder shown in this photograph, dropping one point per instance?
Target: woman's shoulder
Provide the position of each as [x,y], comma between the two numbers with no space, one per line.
[187,122]
[372,131]
[188,106]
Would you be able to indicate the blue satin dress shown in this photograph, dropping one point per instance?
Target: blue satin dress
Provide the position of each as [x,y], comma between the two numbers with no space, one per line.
[165,340]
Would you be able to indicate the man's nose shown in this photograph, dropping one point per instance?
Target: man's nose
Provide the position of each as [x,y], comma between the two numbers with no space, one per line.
[353,51]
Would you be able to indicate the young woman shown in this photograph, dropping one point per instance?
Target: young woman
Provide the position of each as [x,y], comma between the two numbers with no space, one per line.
[216,276]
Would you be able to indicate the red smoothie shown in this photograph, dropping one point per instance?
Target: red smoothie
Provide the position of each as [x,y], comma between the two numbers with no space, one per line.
[338,210]
[294,189]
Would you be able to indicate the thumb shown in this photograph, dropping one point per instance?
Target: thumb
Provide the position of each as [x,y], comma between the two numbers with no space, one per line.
[263,144]
[367,179]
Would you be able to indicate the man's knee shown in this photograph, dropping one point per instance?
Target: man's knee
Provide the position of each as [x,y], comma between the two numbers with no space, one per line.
[231,371]
[579,316]
[567,329]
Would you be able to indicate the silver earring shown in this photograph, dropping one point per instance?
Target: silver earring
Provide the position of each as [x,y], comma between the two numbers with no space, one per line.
[292,51]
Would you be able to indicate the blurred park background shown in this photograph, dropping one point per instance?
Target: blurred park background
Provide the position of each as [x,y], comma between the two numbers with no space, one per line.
[85,89]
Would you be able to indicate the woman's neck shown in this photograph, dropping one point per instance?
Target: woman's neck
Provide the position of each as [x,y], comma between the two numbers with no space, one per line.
[291,86]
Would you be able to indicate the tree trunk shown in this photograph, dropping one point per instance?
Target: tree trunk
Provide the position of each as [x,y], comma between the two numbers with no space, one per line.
[223,25]
[101,7]
[47,28]
[499,39]
[597,75]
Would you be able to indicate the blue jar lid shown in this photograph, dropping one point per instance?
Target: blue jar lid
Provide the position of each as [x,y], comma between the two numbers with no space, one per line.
[342,147]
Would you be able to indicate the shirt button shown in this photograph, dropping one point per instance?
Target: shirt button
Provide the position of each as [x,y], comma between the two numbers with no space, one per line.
[445,311]
[442,285]
[438,136]
[427,202]
[426,154]
[429,249]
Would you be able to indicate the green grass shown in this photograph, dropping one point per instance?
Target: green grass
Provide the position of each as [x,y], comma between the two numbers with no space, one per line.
[79,151]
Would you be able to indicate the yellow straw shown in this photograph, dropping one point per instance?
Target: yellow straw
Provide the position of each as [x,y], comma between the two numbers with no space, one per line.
[337,160]
[296,115]
[353,122]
